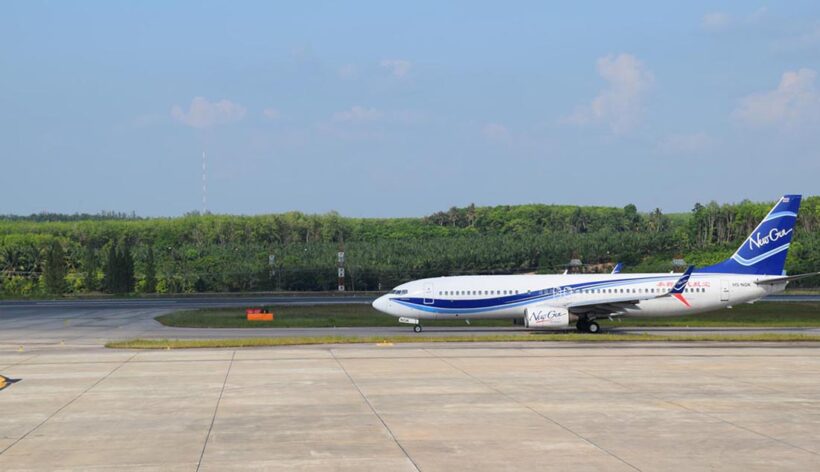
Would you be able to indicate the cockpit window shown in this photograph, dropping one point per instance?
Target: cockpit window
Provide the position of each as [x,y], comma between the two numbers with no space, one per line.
[399,292]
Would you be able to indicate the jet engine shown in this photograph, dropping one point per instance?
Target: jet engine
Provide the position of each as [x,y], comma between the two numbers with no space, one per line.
[546,317]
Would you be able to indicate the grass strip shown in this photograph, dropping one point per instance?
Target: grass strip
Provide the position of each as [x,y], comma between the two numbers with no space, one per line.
[557,337]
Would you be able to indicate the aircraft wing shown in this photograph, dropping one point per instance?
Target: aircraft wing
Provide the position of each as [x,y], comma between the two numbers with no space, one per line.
[609,306]
[780,280]
[617,305]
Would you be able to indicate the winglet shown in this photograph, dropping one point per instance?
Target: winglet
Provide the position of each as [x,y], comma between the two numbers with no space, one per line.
[617,268]
[683,280]
[680,285]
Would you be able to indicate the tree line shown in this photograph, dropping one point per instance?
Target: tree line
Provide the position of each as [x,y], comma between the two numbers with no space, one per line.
[118,253]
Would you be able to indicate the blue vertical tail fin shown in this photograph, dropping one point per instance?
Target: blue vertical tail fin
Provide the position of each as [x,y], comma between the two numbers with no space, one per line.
[764,251]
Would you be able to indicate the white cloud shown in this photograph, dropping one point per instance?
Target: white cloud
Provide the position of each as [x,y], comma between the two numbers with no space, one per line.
[348,72]
[795,101]
[271,113]
[357,114]
[693,143]
[398,67]
[620,104]
[495,131]
[715,21]
[203,114]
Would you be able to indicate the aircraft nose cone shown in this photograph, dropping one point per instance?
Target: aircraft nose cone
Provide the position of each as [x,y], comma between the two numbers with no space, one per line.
[381,304]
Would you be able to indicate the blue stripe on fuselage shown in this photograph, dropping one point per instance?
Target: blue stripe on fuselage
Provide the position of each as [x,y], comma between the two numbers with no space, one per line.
[479,305]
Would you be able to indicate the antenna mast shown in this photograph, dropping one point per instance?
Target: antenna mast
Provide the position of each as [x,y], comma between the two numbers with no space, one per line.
[204,186]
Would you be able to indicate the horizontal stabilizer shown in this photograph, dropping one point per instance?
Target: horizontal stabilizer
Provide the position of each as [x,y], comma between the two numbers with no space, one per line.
[780,280]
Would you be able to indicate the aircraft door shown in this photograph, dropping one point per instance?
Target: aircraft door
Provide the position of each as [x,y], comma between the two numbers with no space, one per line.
[724,290]
[428,294]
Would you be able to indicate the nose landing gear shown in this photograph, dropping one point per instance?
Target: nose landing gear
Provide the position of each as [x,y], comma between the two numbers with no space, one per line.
[413,321]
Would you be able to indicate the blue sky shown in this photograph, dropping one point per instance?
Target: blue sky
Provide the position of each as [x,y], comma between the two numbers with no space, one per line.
[380,109]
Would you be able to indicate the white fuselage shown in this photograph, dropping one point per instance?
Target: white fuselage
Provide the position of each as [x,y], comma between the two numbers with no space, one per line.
[508,296]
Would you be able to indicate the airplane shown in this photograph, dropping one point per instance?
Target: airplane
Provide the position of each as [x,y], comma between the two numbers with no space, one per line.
[556,301]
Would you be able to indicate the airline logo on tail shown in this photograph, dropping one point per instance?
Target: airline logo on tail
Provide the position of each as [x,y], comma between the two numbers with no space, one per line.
[774,234]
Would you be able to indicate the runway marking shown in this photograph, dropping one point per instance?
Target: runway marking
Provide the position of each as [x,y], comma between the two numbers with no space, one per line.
[216,409]
[533,410]
[370,405]
[66,405]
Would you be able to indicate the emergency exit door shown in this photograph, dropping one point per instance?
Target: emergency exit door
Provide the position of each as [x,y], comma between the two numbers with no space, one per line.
[428,294]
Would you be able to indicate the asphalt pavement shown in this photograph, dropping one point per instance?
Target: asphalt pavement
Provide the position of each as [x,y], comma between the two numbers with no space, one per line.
[39,324]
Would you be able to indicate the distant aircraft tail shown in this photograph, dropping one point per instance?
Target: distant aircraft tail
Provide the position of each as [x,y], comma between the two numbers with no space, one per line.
[764,251]
[617,268]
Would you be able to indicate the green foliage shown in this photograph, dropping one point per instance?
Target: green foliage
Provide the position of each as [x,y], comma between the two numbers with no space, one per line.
[150,280]
[54,269]
[119,270]
[227,253]
[90,267]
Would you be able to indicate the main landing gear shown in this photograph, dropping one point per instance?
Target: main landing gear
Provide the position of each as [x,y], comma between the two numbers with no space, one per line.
[588,326]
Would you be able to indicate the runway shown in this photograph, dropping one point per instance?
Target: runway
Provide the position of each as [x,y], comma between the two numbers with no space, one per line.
[41,325]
